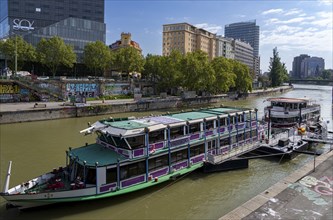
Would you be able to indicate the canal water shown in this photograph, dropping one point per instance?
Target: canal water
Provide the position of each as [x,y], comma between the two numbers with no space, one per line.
[37,147]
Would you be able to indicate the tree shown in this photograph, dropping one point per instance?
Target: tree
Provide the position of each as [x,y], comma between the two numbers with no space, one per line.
[278,72]
[25,51]
[326,74]
[243,82]
[198,74]
[224,75]
[128,60]
[54,52]
[97,57]
[169,76]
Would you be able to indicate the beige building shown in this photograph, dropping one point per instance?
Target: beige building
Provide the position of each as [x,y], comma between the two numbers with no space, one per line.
[125,41]
[186,38]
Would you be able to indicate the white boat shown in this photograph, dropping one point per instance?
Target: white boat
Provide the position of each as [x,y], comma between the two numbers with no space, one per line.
[291,112]
[132,154]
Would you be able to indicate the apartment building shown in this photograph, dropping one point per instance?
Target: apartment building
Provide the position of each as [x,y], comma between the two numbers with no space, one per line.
[224,47]
[244,53]
[186,38]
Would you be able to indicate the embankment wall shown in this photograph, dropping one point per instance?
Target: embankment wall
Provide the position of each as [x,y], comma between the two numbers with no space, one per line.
[103,109]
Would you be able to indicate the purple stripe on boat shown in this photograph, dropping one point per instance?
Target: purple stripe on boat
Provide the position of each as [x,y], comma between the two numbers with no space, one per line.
[180,165]
[135,180]
[230,127]
[179,142]
[107,187]
[156,146]
[123,152]
[160,172]
[208,133]
[138,152]
[194,136]
[222,130]
[254,124]
[198,158]
[240,126]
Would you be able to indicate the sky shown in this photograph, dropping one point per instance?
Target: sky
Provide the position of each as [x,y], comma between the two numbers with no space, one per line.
[294,27]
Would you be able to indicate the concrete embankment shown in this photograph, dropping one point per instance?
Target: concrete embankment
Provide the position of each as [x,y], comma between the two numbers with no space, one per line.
[307,193]
[24,112]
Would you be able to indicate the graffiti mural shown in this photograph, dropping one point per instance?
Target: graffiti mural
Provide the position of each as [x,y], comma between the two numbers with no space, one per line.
[9,89]
[85,89]
[117,89]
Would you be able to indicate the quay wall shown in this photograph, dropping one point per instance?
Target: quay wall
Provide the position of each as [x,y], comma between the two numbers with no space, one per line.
[48,113]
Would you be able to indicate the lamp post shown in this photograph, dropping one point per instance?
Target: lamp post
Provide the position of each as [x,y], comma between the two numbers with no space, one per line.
[15,71]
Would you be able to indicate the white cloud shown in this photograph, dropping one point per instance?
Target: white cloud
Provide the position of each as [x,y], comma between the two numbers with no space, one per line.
[325,2]
[293,11]
[289,21]
[272,11]
[170,18]
[209,27]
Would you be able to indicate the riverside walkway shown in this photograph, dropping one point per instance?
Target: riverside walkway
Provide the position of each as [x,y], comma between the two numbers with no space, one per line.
[307,193]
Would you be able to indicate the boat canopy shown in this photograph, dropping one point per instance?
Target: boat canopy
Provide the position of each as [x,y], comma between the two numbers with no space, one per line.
[135,126]
[95,153]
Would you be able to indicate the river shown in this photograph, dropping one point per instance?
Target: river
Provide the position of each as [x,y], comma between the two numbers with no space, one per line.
[37,147]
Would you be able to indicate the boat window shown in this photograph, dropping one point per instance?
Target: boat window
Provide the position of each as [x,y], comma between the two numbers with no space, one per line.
[233,140]
[176,132]
[91,176]
[156,136]
[120,142]
[79,170]
[132,170]
[194,128]
[178,156]
[247,134]
[240,137]
[196,150]
[209,125]
[111,175]
[224,141]
[240,118]
[254,133]
[136,142]
[232,120]
[223,122]
[158,162]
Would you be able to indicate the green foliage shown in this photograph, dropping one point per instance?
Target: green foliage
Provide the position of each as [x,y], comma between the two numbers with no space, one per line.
[198,74]
[97,57]
[151,67]
[278,71]
[243,81]
[326,74]
[25,51]
[54,52]
[224,75]
[128,60]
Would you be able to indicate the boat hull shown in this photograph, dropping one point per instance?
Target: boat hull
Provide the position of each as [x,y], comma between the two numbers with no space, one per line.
[24,201]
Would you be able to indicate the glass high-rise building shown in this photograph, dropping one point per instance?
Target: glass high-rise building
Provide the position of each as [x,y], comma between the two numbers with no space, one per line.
[77,22]
[245,31]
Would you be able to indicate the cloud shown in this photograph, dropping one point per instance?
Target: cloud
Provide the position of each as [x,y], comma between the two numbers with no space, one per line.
[272,11]
[289,21]
[170,18]
[293,11]
[325,2]
[209,27]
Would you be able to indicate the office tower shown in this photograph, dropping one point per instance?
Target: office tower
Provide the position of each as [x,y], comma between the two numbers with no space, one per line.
[296,70]
[77,22]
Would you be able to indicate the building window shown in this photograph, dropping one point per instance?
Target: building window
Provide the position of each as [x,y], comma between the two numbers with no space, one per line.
[38,9]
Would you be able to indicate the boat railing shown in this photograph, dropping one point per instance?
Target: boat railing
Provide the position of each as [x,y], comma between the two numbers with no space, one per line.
[227,154]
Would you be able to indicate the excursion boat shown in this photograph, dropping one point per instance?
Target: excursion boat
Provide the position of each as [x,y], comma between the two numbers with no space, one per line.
[291,112]
[135,153]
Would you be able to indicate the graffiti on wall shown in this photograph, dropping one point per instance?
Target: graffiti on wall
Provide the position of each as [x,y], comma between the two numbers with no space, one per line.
[117,89]
[9,89]
[86,89]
